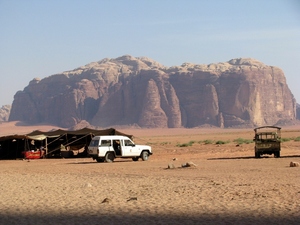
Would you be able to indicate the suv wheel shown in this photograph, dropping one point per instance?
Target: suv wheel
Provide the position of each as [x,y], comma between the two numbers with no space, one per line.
[109,157]
[145,155]
[99,159]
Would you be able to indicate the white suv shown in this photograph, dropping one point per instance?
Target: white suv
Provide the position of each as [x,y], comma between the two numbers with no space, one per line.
[107,148]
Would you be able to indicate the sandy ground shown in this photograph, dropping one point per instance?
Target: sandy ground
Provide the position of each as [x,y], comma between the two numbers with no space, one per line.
[227,186]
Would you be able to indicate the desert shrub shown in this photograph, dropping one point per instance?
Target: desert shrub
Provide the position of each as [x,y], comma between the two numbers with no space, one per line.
[239,140]
[164,143]
[207,142]
[285,139]
[151,143]
[191,143]
[242,141]
[297,139]
[183,145]
[221,142]
[248,141]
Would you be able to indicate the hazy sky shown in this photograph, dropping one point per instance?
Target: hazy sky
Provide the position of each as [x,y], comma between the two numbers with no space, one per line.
[40,38]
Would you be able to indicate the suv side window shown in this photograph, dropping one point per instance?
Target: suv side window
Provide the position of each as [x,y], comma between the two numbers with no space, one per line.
[128,143]
[105,143]
[94,143]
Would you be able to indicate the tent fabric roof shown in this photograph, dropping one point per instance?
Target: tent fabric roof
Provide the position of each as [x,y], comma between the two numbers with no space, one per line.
[40,135]
[14,136]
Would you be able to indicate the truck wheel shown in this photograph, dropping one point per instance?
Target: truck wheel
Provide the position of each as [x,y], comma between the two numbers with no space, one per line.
[135,158]
[145,155]
[109,157]
[276,154]
[257,155]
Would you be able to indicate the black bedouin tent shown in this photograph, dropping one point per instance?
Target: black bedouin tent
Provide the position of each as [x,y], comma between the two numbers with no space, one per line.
[56,143]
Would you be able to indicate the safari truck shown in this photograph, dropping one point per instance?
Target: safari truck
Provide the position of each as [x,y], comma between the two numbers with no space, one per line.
[267,141]
[107,148]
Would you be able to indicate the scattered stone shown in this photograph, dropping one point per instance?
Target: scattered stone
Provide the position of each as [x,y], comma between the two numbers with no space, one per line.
[294,164]
[174,159]
[189,164]
[88,185]
[132,199]
[171,166]
[106,200]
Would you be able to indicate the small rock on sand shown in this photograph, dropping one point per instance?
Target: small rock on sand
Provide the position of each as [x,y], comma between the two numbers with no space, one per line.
[294,164]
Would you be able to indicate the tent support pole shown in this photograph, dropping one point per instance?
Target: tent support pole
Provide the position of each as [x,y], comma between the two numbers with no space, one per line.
[46,146]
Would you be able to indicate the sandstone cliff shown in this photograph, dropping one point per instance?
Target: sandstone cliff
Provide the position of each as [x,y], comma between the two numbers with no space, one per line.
[142,92]
[4,112]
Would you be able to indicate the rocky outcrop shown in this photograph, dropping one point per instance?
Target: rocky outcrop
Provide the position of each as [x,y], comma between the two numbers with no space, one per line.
[4,113]
[142,92]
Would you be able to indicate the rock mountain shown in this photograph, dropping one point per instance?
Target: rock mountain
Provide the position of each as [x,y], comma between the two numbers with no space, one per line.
[4,112]
[138,91]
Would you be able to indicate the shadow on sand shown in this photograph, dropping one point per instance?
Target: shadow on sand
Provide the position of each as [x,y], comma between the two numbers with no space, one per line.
[146,219]
[95,162]
[252,157]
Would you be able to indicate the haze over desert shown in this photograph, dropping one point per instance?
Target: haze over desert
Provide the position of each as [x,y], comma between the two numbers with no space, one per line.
[226,186]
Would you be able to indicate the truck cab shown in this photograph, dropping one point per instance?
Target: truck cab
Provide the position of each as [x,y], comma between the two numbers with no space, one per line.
[267,141]
[108,147]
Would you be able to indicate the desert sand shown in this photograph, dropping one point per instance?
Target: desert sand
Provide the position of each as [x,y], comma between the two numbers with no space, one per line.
[227,185]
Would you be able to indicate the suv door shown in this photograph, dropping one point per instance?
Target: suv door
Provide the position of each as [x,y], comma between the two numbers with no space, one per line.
[105,146]
[117,146]
[93,146]
[129,148]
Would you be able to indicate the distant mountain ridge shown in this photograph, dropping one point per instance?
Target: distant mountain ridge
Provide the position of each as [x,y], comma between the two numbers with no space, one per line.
[138,91]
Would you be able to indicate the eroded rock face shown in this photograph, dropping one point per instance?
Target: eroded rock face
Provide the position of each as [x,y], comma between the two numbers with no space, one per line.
[4,112]
[142,92]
